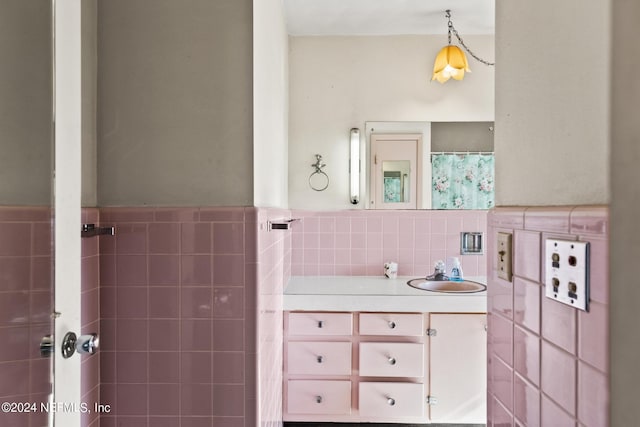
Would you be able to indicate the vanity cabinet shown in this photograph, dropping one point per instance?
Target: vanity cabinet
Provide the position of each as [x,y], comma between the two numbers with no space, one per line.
[384,367]
[318,365]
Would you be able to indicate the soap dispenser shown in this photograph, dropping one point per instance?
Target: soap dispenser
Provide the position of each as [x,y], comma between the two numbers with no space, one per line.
[456,270]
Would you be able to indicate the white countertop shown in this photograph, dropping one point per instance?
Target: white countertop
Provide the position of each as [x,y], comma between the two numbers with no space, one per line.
[376,293]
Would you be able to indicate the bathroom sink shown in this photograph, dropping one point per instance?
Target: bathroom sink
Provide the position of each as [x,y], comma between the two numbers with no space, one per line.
[447,286]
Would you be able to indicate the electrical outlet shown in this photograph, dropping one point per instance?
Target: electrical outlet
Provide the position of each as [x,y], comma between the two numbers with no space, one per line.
[504,255]
[567,272]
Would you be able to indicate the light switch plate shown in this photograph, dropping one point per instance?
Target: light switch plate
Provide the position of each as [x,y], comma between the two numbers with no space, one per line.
[504,256]
[567,272]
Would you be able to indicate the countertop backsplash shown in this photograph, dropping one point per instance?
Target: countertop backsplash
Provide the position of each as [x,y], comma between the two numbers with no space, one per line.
[359,242]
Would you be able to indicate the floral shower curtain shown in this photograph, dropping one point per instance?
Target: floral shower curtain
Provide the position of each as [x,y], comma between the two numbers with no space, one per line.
[462,181]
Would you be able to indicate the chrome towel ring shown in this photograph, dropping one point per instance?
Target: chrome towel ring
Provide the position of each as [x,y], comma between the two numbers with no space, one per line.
[318,180]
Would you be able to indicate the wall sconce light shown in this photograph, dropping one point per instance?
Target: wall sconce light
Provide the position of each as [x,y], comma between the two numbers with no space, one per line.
[354,166]
[451,61]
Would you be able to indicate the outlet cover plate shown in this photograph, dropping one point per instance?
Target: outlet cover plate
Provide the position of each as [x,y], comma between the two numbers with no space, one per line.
[567,272]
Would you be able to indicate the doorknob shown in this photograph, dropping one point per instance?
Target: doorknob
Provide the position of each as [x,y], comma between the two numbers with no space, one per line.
[85,344]
[47,346]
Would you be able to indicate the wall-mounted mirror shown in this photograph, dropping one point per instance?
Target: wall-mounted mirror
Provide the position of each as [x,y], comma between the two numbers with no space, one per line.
[429,165]
[345,77]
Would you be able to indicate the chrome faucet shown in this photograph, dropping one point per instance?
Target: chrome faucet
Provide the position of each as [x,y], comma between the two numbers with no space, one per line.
[439,273]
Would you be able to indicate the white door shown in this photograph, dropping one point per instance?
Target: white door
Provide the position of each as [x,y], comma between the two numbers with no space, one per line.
[67,205]
[458,367]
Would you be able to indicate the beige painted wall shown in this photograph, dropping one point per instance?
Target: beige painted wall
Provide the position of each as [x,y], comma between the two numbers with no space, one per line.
[175,103]
[337,83]
[625,211]
[270,104]
[26,132]
[552,102]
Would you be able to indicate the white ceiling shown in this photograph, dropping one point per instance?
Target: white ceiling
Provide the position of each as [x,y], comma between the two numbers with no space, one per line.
[388,17]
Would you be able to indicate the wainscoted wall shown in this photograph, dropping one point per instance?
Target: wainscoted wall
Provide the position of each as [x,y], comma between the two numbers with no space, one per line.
[90,317]
[179,316]
[189,335]
[176,317]
[25,308]
[359,242]
[547,362]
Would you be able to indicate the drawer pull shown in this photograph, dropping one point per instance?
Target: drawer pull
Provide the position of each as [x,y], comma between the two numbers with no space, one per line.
[391,401]
[318,399]
[320,323]
[320,359]
[392,325]
[392,361]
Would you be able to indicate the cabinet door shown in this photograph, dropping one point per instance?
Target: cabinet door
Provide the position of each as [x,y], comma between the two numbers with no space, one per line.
[458,368]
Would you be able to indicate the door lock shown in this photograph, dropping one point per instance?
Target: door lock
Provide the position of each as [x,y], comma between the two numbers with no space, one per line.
[47,346]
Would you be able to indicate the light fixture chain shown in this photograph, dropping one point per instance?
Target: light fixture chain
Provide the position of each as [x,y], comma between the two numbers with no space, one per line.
[477,58]
[449,24]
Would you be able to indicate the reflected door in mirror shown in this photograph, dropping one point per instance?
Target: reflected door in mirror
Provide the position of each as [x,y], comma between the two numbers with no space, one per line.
[395,171]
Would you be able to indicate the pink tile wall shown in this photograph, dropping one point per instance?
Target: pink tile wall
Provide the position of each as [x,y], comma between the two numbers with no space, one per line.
[359,242]
[25,305]
[90,316]
[273,272]
[548,363]
[178,317]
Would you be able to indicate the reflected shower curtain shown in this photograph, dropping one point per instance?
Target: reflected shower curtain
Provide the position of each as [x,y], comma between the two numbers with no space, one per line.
[462,181]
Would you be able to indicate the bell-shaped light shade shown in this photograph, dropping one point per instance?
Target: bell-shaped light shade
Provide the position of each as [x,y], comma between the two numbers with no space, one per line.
[451,62]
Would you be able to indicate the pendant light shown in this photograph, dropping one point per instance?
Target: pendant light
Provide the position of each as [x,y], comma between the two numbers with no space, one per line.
[451,62]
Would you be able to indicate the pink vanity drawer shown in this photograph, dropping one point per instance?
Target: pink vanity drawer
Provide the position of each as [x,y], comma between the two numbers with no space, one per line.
[311,323]
[392,400]
[319,358]
[392,324]
[319,397]
[384,359]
